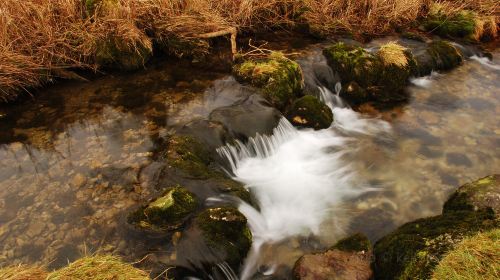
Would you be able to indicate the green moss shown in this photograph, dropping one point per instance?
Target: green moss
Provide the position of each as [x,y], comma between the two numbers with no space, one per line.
[231,187]
[308,111]
[166,212]
[279,78]
[189,155]
[116,54]
[414,249]
[461,24]
[225,229]
[483,194]
[354,243]
[444,55]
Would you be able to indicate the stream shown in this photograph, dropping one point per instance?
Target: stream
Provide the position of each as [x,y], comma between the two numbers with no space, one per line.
[81,155]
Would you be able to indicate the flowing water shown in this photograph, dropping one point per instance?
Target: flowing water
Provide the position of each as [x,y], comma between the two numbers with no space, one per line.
[81,155]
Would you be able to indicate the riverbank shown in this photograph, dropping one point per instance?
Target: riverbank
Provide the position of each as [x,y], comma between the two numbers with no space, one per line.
[42,41]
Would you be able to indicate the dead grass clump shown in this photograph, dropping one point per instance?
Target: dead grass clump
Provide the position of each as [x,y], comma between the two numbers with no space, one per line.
[103,267]
[393,54]
[22,272]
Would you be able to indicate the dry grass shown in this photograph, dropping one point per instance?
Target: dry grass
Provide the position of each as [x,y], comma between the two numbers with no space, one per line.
[474,258]
[22,272]
[393,54]
[104,267]
[38,36]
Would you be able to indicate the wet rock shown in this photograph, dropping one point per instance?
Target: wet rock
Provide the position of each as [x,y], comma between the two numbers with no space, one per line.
[246,119]
[225,230]
[308,111]
[414,249]
[382,75]
[480,195]
[279,78]
[349,259]
[189,155]
[212,133]
[166,212]
[444,55]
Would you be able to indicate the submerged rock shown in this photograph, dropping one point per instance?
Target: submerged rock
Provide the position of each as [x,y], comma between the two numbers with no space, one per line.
[166,212]
[279,78]
[416,248]
[349,259]
[308,111]
[189,155]
[225,230]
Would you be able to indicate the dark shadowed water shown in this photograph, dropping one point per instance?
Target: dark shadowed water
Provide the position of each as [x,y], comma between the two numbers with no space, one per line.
[78,157]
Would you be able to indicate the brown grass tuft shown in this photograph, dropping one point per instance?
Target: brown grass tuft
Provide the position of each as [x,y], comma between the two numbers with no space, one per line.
[22,272]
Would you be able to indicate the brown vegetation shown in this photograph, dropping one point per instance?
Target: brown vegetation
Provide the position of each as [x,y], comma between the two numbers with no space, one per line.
[40,36]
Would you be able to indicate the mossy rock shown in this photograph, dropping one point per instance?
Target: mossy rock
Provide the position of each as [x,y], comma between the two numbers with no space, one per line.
[379,77]
[189,155]
[480,195]
[353,63]
[279,78]
[100,267]
[444,55]
[355,243]
[413,36]
[231,187]
[166,212]
[459,25]
[225,230]
[194,48]
[112,53]
[308,111]
[414,249]
[474,258]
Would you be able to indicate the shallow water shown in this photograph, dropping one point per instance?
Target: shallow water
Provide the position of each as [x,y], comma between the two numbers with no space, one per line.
[76,159]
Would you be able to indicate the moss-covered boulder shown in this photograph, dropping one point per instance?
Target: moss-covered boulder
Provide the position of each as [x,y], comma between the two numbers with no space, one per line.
[114,53]
[166,212]
[309,111]
[379,77]
[279,78]
[350,258]
[189,155]
[480,195]
[444,55]
[225,230]
[415,249]
[99,267]
[475,257]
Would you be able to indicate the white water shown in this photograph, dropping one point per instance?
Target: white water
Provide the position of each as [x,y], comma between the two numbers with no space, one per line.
[298,176]
[425,81]
[486,62]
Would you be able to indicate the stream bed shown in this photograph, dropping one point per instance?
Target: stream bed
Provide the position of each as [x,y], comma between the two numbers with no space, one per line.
[81,155]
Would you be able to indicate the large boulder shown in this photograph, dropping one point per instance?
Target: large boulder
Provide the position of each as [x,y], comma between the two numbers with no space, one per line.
[279,78]
[349,259]
[225,231]
[166,212]
[415,249]
[309,111]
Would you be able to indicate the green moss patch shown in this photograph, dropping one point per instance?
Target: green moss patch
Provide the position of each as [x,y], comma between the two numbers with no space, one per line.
[444,55]
[225,229]
[166,212]
[461,24]
[308,111]
[279,78]
[103,267]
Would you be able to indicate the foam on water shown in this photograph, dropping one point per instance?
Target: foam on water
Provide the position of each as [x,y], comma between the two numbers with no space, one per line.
[425,81]
[486,62]
[298,176]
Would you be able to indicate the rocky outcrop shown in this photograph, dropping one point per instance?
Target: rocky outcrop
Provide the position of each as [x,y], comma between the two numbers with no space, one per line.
[349,259]
[416,248]
[308,111]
